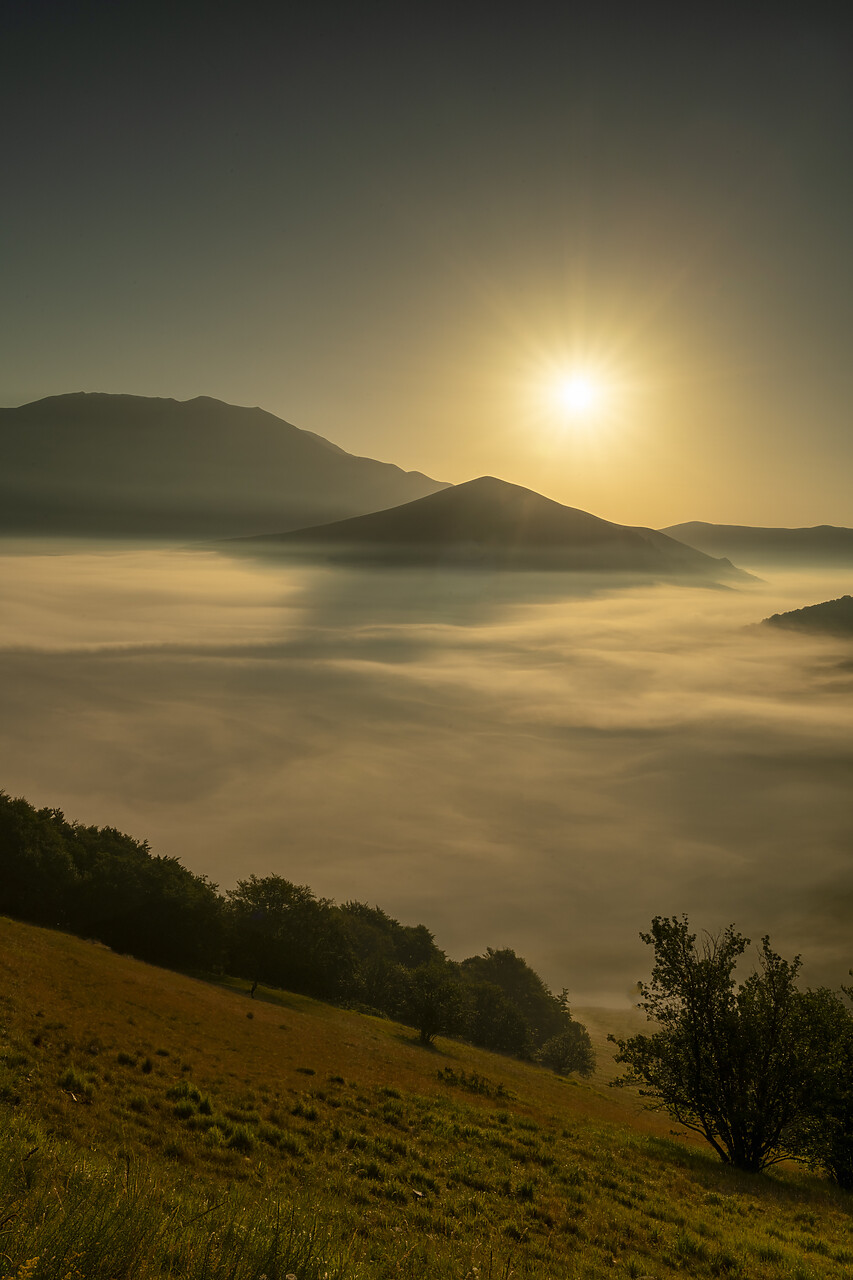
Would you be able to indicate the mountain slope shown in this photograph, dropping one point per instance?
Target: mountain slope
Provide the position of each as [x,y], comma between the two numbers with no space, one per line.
[491,521]
[91,463]
[753,544]
[831,617]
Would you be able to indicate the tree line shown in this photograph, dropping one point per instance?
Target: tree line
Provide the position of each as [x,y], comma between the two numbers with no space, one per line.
[100,883]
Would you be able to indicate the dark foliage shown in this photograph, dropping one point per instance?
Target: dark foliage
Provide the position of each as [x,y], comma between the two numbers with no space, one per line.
[545,1014]
[738,1063]
[280,934]
[435,1001]
[569,1051]
[103,884]
[494,1022]
[826,1137]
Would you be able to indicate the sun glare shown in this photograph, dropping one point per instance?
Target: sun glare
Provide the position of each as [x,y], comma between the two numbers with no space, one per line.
[574,400]
[578,394]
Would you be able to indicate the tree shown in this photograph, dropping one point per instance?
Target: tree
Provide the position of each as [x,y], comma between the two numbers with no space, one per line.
[736,1063]
[493,1021]
[434,1001]
[827,1135]
[39,876]
[281,934]
[569,1051]
[543,1012]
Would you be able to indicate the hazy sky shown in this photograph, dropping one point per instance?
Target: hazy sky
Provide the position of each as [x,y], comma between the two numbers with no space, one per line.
[393,225]
[514,760]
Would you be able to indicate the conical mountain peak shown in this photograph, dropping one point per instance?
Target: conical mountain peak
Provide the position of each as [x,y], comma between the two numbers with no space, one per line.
[494,522]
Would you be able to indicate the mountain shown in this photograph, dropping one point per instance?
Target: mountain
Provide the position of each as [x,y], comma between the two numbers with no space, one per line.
[754,545]
[115,464]
[832,617]
[489,521]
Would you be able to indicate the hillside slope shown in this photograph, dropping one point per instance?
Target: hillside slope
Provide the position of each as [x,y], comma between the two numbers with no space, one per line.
[170,1095]
[116,464]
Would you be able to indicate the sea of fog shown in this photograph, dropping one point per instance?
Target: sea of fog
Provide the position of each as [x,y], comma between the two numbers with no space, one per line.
[536,761]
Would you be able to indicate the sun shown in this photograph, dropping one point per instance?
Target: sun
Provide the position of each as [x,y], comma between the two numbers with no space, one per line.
[579,394]
[575,399]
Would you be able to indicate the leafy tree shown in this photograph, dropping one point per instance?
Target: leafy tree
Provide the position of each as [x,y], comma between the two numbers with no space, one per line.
[281,934]
[153,908]
[569,1051]
[106,885]
[435,1000]
[826,1137]
[736,1063]
[415,946]
[377,980]
[543,1012]
[39,875]
[382,951]
[493,1021]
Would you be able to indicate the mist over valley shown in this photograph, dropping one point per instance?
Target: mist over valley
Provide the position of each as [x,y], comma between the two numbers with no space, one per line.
[534,760]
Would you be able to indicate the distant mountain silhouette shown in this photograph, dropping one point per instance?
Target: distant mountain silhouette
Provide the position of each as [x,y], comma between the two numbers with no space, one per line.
[489,521]
[832,617]
[114,464]
[751,544]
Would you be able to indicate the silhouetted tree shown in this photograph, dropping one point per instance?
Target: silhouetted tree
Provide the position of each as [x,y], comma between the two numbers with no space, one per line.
[103,884]
[826,1136]
[543,1012]
[434,1000]
[736,1063]
[493,1021]
[282,935]
[38,875]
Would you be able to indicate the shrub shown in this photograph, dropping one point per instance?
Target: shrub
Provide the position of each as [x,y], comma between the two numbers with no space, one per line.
[569,1051]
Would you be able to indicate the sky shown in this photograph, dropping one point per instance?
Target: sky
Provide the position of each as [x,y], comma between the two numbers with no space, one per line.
[528,760]
[401,226]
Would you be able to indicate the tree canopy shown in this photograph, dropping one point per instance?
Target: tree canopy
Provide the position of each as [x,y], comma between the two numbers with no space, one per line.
[737,1062]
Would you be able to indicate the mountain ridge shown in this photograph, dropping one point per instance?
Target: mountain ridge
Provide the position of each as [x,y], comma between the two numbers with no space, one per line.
[767,543]
[99,463]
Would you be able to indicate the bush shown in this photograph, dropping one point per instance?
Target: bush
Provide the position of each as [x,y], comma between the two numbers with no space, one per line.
[569,1051]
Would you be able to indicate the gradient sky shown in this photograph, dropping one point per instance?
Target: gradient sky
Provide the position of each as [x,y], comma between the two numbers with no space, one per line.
[394,227]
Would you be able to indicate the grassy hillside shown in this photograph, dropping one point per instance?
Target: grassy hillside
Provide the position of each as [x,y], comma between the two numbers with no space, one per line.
[153,1124]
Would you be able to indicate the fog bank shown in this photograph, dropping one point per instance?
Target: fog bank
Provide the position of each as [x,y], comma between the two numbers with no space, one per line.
[535,761]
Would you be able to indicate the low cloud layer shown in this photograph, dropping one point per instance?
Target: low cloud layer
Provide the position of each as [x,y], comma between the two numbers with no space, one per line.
[531,761]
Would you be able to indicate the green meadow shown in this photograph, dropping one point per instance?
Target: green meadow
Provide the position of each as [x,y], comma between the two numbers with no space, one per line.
[159,1125]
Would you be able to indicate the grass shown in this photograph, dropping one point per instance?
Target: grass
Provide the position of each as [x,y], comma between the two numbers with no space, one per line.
[150,1128]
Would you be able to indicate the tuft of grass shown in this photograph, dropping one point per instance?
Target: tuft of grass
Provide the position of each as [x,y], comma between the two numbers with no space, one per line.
[242,1139]
[81,1087]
